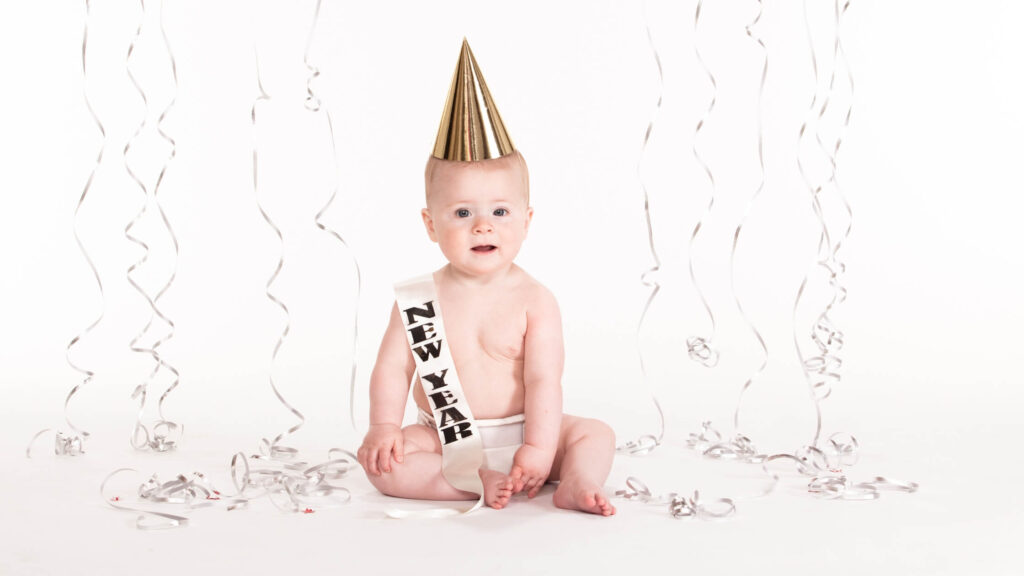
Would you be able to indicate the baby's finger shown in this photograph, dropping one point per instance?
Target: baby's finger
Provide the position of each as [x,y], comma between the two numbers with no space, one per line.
[531,486]
[371,462]
[399,449]
[517,479]
[524,484]
[536,487]
[384,460]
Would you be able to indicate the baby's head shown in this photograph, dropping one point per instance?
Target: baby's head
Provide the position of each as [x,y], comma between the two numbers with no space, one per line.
[478,212]
[511,167]
[477,186]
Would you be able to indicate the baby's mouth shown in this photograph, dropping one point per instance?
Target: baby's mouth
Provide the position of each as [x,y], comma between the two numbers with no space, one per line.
[485,248]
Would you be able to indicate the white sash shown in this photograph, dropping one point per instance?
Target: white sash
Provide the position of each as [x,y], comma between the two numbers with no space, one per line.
[462,452]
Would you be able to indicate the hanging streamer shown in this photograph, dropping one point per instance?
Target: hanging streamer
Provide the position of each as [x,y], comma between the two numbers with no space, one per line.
[746,213]
[165,434]
[824,466]
[648,442]
[272,448]
[170,230]
[140,436]
[73,444]
[822,369]
[700,348]
[314,104]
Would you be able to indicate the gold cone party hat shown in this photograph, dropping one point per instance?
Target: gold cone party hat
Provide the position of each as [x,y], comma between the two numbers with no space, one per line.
[469,132]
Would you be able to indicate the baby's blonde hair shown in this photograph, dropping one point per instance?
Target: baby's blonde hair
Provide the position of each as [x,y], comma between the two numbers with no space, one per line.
[513,160]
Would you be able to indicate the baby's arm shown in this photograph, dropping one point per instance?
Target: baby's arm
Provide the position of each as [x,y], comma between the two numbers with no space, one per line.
[544,356]
[389,390]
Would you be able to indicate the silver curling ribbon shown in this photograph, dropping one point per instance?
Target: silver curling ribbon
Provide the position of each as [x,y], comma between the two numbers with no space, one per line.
[648,442]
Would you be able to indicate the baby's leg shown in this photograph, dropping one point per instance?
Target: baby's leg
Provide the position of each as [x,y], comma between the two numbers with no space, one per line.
[584,458]
[419,476]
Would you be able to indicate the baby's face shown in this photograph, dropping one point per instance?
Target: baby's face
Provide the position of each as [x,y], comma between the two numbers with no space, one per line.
[478,214]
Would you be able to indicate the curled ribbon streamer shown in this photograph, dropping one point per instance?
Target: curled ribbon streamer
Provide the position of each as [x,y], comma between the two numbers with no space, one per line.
[314,104]
[289,489]
[678,506]
[842,488]
[161,439]
[822,370]
[746,213]
[164,429]
[63,444]
[147,519]
[74,443]
[821,388]
[165,434]
[838,56]
[271,448]
[825,467]
[698,347]
[647,443]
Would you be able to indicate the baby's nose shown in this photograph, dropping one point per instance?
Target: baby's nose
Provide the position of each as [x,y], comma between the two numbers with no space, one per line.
[482,224]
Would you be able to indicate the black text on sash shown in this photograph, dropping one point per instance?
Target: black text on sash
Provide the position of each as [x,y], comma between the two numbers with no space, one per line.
[426,344]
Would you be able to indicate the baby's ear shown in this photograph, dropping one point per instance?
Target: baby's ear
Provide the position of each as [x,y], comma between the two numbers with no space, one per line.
[428,222]
[529,216]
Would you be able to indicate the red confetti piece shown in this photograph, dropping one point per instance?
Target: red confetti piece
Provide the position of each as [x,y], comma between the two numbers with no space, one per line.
[115,499]
[307,511]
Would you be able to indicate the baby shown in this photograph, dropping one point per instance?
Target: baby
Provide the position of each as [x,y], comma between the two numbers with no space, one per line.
[504,333]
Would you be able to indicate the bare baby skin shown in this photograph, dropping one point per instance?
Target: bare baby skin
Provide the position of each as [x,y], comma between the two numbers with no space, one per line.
[505,335]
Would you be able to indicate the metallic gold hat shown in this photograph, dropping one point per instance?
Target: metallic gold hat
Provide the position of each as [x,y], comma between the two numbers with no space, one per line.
[469,132]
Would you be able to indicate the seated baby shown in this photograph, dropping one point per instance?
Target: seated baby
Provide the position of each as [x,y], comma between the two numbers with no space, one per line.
[503,330]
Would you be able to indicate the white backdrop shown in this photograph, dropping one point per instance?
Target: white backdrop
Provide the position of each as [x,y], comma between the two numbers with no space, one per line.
[928,165]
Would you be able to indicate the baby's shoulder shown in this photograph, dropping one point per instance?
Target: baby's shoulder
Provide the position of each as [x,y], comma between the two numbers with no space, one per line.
[535,296]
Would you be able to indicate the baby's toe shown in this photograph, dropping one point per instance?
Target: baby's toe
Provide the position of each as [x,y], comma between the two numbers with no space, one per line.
[606,507]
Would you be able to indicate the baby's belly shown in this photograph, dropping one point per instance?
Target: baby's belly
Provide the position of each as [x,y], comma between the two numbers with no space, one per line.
[492,392]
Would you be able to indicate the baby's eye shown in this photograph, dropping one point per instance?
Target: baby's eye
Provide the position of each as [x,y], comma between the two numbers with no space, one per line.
[501,212]
[462,213]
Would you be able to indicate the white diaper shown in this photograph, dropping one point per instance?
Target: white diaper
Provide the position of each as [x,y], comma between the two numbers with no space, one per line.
[501,438]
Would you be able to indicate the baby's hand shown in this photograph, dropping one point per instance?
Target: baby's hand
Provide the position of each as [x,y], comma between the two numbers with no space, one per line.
[382,443]
[530,469]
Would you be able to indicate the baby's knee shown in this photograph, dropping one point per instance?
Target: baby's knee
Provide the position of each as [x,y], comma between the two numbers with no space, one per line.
[419,438]
[602,432]
[593,431]
[384,483]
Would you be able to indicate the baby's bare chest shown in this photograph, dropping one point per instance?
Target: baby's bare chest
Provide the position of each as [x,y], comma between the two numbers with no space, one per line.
[485,331]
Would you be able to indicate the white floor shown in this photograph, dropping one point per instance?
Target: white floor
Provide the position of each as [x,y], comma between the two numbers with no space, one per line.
[965,519]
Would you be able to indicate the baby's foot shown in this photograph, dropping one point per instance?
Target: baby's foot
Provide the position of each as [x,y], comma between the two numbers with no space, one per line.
[585,497]
[497,488]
